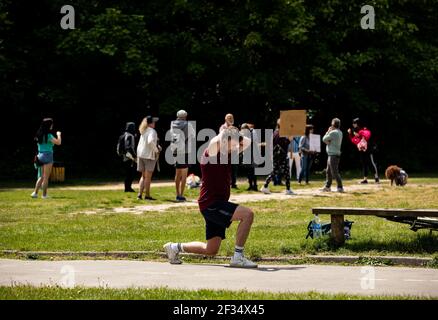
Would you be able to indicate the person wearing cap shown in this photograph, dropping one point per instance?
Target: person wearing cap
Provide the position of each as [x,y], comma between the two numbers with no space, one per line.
[182,131]
[147,155]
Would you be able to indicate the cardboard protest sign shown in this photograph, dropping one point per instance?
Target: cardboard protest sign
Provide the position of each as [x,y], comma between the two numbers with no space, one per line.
[292,123]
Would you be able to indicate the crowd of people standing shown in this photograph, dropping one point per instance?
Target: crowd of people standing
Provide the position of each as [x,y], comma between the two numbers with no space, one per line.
[140,150]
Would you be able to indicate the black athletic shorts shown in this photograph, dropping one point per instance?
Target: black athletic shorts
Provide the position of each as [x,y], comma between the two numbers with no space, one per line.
[218,218]
[184,164]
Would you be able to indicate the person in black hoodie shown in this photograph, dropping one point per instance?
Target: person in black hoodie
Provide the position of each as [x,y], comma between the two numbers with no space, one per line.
[126,150]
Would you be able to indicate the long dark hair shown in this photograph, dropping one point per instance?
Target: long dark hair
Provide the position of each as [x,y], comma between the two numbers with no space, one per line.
[44,130]
[308,128]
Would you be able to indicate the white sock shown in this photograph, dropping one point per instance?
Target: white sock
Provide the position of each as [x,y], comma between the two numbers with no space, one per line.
[177,247]
[238,252]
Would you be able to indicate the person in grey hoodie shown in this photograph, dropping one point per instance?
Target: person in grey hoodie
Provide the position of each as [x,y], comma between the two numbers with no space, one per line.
[182,131]
[333,140]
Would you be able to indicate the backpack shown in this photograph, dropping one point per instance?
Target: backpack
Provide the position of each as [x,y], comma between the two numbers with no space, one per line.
[121,145]
[326,229]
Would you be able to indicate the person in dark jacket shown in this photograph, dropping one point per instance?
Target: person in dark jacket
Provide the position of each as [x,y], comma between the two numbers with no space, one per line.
[281,162]
[127,152]
[360,136]
[247,130]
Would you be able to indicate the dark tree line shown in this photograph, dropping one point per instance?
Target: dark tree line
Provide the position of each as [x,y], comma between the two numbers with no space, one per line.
[126,59]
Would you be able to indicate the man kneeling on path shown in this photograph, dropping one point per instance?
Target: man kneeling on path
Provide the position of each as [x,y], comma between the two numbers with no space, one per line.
[213,202]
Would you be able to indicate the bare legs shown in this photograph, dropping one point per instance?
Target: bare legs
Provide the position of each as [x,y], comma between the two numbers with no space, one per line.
[180,181]
[43,181]
[211,248]
[145,183]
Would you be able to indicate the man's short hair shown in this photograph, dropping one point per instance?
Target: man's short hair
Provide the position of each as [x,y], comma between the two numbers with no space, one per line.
[336,122]
[231,133]
[181,114]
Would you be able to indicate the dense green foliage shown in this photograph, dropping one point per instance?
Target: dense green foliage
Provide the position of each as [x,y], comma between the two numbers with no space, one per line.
[129,58]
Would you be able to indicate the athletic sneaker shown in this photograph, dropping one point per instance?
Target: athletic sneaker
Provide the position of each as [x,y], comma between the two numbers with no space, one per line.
[45,197]
[34,195]
[377,180]
[365,181]
[180,199]
[289,193]
[149,198]
[139,197]
[341,190]
[242,262]
[326,189]
[172,254]
[265,190]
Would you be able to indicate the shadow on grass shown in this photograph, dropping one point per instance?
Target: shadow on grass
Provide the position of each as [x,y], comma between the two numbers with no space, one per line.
[422,244]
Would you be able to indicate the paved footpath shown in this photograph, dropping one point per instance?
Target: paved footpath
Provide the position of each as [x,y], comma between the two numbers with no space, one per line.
[270,278]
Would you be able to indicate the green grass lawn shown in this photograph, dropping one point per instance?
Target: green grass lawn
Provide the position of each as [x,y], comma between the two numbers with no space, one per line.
[58,293]
[279,229]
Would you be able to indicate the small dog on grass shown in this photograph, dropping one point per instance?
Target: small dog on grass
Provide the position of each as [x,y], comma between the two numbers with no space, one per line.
[397,175]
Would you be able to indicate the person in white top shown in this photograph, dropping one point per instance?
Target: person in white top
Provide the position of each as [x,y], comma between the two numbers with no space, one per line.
[147,155]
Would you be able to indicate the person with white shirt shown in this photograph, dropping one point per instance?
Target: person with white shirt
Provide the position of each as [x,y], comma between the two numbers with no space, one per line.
[147,155]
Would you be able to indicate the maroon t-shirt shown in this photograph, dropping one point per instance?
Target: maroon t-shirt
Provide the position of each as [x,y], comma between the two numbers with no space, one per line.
[216,180]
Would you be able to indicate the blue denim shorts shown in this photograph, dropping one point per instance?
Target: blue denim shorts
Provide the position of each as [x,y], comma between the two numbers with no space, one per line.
[45,157]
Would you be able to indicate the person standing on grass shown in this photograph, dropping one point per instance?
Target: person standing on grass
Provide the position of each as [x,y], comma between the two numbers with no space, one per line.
[360,136]
[294,156]
[247,130]
[214,203]
[44,160]
[229,122]
[333,140]
[306,155]
[147,155]
[126,150]
[182,131]
[281,162]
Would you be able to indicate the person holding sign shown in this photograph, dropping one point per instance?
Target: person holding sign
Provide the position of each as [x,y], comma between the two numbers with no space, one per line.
[281,162]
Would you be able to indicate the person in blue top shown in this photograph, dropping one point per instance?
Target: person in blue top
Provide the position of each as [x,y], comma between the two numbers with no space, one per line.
[44,160]
[294,156]
[307,155]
